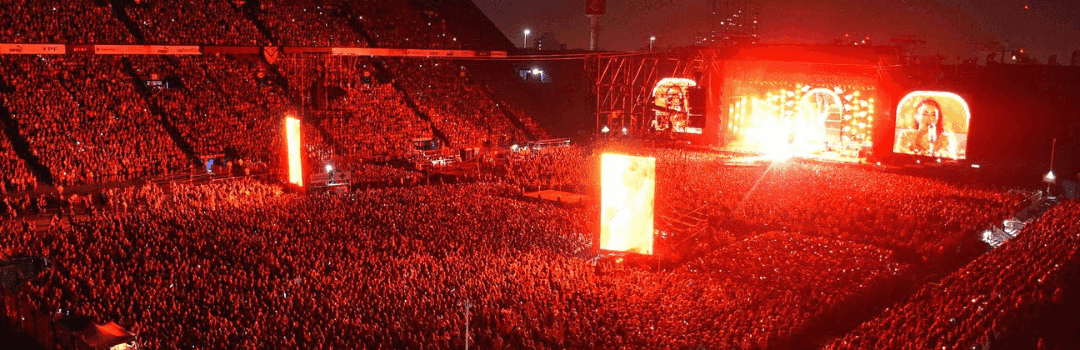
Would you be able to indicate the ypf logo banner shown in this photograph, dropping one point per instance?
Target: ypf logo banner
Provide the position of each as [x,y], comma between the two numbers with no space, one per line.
[595,7]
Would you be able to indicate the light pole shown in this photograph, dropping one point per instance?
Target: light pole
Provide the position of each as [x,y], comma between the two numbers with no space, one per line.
[652,40]
[467,305]
[525,43]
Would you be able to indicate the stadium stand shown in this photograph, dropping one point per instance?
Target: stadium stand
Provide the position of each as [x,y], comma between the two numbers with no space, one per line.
[795,254]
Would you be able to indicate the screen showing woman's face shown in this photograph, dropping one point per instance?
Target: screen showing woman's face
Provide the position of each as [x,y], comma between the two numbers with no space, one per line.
[928,115]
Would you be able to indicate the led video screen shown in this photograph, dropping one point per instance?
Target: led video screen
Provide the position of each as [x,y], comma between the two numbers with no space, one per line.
[672,97]
[933,124]
[802,119]
[627,190]
[292,139]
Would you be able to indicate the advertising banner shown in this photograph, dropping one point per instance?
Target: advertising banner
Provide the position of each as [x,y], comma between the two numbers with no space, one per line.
[32,49]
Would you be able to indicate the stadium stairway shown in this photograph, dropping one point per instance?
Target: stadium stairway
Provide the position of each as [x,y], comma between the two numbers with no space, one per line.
[248,10]
[163,118]
[119,9]
[22,148]
[474,30]
[439,135]
[510,115]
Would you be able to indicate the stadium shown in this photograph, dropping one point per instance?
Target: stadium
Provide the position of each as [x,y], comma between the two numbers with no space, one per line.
[272,174]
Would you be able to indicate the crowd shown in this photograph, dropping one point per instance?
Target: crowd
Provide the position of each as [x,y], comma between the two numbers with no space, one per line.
[242,264]
[14,176]
[396,24]
[193,23]
[223,23]
[60,22]
[309,24]
[85,121]
[923,216]
[220,105]
[364,117]
[561,168]
[1012,297]
[455,105]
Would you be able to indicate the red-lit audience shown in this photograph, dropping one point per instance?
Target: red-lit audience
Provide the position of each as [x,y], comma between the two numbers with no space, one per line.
[242,265]
[459,108]
[16,177]
[1004,299]
[364,118]
[309,24]
[61,22]
[193,23]
[219,105]
[84,120]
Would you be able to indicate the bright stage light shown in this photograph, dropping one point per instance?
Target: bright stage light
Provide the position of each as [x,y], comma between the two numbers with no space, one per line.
[786,119]
[292,137]
[329,168]
[626,194]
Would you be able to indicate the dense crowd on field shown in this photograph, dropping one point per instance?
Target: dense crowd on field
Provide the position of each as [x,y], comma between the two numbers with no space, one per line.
[400,261]
[244,264]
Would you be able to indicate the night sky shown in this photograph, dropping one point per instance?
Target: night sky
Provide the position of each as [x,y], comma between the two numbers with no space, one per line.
[948,26]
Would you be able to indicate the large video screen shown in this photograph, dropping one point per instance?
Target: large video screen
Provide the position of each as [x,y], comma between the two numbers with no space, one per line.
[292,139]
[671,96]
[933,124]
[801,119]
[627,190]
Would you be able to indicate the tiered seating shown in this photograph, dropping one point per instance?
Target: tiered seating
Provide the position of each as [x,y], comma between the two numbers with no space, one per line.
[212,22]
[396,24]
[58,22]
[369,118]
[15,176]
[83,117]
[296,23]
[460,109]
[1004,299]
[219,105]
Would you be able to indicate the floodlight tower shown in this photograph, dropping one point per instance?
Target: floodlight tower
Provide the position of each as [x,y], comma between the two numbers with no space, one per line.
[594,9]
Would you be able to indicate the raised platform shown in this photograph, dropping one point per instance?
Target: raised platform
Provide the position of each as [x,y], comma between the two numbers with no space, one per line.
[557,196]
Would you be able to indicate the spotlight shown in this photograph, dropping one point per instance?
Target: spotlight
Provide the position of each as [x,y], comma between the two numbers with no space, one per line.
[329,168]
[605,129]
[625,131]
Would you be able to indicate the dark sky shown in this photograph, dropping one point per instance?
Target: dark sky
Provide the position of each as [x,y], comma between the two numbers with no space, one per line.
[948,26]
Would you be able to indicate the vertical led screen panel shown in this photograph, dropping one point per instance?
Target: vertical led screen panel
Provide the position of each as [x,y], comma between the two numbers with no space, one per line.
[933,124]
[292,138]
[802,119]
[627,190]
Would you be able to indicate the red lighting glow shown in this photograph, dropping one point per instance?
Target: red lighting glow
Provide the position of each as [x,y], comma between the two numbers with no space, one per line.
[932,123]
[292,138]
[626,193]
[671,93]
[783,120]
